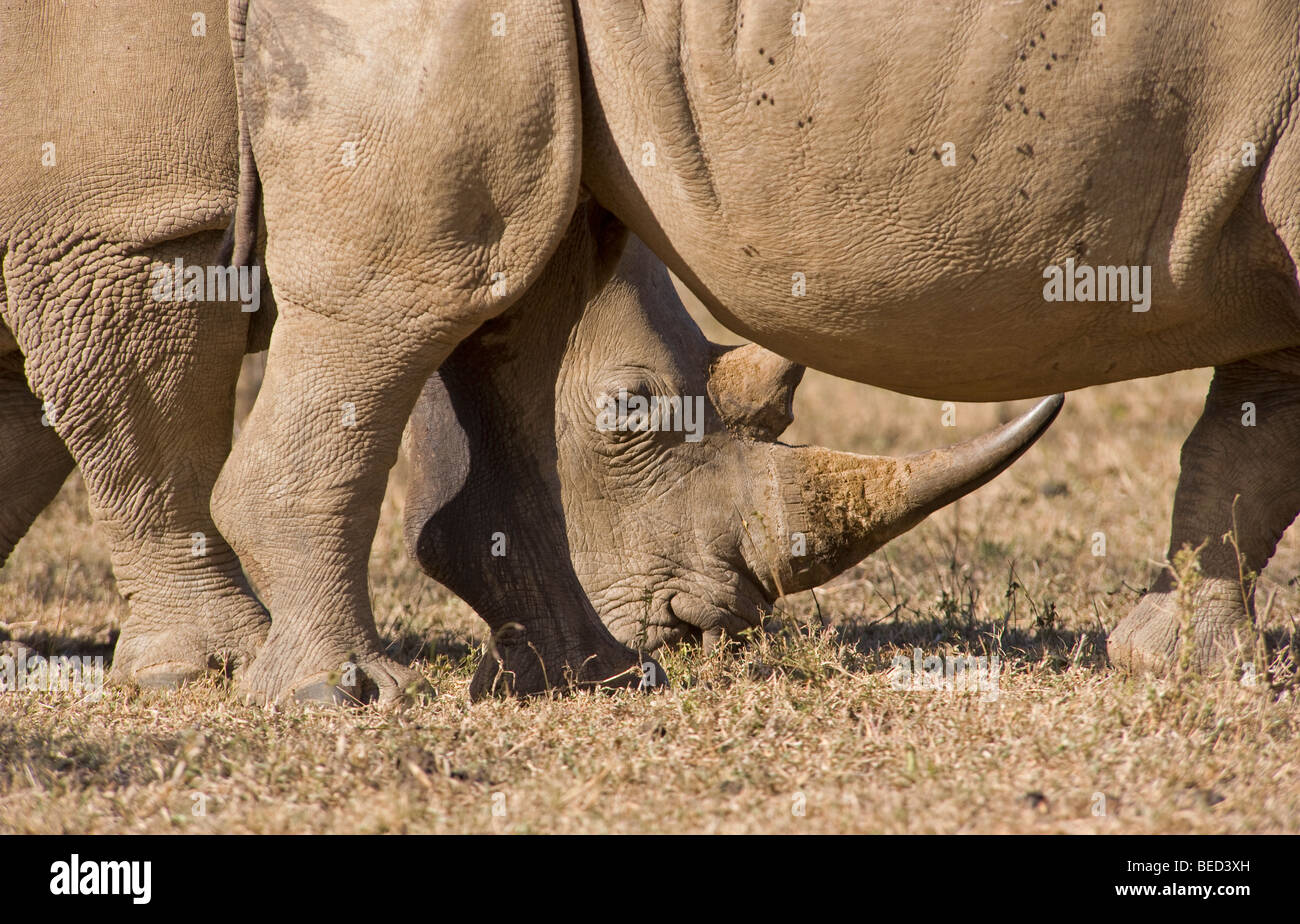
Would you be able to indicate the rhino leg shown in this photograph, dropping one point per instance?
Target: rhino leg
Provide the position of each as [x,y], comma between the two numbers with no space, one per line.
[397,221]
[33,460]
[1225,460]
[504,551]
[300,500]
[141,392]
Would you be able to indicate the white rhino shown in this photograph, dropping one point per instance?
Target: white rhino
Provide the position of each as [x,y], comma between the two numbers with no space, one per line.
[686,526]
[883,192]
[138,384]
[123,164]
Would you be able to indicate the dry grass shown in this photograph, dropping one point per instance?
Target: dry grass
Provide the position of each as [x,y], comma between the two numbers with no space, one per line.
[807,714]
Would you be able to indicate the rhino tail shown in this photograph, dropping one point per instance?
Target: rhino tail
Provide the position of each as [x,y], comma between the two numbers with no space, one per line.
[238,246]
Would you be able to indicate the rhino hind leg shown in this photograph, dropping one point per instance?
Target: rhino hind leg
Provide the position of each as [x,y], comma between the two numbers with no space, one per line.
[1241,454]
[397,222]
[141,393]
[33,460]
[299,499]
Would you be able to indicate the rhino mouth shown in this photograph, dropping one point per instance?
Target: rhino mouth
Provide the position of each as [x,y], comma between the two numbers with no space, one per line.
[671,608]
[688,614]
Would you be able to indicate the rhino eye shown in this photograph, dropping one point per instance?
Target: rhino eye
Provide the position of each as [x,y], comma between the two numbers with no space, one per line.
[626,410]
[642,409]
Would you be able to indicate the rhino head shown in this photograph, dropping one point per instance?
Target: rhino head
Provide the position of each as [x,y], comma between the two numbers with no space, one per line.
[647,459]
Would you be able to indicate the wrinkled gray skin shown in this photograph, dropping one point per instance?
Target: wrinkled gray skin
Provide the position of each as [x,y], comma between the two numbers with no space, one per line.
[743,154]
[139,393]
[671,537]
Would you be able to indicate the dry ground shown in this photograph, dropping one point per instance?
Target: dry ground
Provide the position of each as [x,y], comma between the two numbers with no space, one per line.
[806,718]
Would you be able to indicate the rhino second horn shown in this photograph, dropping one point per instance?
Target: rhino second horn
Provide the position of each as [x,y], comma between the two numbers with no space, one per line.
[839,507]
[753,390]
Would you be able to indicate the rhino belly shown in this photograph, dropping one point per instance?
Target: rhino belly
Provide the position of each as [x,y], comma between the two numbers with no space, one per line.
[977,207]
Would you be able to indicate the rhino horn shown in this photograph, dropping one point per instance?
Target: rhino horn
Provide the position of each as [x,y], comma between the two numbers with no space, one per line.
[753,390]
[835,508]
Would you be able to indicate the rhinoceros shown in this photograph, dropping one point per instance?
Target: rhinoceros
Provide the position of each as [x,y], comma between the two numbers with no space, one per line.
[682,524]
[137,382]
[931,200]
[121,165]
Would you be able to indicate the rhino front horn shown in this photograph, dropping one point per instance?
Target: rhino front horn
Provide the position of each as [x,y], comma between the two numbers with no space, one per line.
[833,509]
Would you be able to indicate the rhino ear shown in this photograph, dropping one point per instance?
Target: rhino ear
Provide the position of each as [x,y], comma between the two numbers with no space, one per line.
[753,390]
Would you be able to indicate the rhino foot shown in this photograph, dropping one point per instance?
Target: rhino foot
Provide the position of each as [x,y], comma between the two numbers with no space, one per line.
[381,681]
[167,656]
[288,671]
[1154,637]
